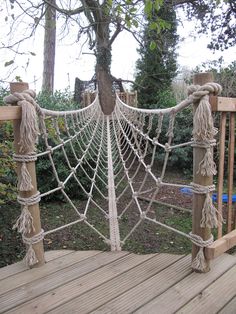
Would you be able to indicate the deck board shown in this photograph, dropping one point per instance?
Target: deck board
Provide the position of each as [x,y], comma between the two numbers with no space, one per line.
[118,282]
[188,288]
[212,299]
[230,307]
[13,269]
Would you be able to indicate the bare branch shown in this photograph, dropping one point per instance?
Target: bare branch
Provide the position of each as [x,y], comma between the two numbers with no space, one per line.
[64,11]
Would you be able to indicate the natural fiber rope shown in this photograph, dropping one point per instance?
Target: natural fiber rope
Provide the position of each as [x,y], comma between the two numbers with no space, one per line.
[32,200]
[133,132]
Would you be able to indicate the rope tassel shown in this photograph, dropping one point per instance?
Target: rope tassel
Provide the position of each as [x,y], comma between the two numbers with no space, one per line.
[199,262]
[25,181]
[24,223]
[209,214]
[30,257]
[207,166]
[203,129]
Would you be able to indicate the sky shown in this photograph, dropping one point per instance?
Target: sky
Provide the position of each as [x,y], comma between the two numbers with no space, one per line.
[71,62]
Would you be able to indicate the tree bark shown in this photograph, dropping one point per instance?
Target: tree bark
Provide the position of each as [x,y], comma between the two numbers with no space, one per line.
[49,47]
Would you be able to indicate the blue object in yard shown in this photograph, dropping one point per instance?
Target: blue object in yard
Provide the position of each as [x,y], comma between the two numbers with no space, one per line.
[188,191]
[224,198]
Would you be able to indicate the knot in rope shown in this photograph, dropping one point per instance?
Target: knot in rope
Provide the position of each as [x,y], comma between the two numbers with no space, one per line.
[167,148]
[198,241]
[142,215]
[29,126]
[32,200]
[24,179]
[30,257]
[198,91]
[202,189]
[158,182]
[199,262]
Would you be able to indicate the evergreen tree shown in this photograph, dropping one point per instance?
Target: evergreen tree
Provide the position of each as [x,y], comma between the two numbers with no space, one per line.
[157,64]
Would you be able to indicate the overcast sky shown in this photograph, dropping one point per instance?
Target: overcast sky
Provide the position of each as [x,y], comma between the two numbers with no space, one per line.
[70,62]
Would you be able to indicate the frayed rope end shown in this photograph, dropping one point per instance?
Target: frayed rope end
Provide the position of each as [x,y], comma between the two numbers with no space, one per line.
[24,223]
[30,257]
[25,181]
[209,214]
[207,166]
[199,263]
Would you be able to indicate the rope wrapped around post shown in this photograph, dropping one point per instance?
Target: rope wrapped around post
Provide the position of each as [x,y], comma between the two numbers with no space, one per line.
[29,197]
[199,262]
[210,218]
[29,132]
[203,136]
[203,126]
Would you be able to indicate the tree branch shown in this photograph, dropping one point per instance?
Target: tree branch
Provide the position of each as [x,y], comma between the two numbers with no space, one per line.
[64,11]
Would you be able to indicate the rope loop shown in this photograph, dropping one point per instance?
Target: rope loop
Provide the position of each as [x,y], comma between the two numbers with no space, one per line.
[29,129]
[202,189]
[32,200]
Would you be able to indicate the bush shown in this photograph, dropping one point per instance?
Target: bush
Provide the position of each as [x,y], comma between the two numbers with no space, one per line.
[60,100]
[180,157]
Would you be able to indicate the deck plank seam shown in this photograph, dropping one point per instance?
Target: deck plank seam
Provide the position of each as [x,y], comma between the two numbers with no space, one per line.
[21,263]
[44,276]
[207,286]
[180,257]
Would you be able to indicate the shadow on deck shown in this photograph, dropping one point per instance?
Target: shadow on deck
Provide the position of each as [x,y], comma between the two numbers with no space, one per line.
[118,282]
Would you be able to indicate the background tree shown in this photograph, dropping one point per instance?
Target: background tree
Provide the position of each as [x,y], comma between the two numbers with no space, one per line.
[224,75]
[49,46]
[157,66]
[102,21]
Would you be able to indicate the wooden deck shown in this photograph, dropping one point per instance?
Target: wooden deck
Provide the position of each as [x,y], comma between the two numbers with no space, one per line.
[120,282]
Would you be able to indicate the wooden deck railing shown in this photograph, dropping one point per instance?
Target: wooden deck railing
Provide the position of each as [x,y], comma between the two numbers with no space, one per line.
[226,109]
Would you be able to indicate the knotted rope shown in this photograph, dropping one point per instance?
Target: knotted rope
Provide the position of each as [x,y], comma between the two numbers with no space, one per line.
[29,127]
[28,134]
[203,126]
[209,212]
[30,257]
[199,262]
[24,223]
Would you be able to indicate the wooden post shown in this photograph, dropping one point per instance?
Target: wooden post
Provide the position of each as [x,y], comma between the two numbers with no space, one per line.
[221,168]
[230,218]
[199,199]
[33,209]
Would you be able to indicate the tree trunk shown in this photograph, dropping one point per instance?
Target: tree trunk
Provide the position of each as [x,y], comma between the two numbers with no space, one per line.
[105,90]
[103,65]
[49,47]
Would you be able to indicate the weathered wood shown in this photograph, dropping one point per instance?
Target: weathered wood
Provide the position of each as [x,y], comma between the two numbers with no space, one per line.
[148,289]
[229,308]
[221,245]
[113,288]
[186,289]
[231,171]
[24,278]
[224,104]
[33,209]
[47,282]
[221,169]
[120,282]
[58,296]
[198,199]
[10,113]
[19,267]
[212,299]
